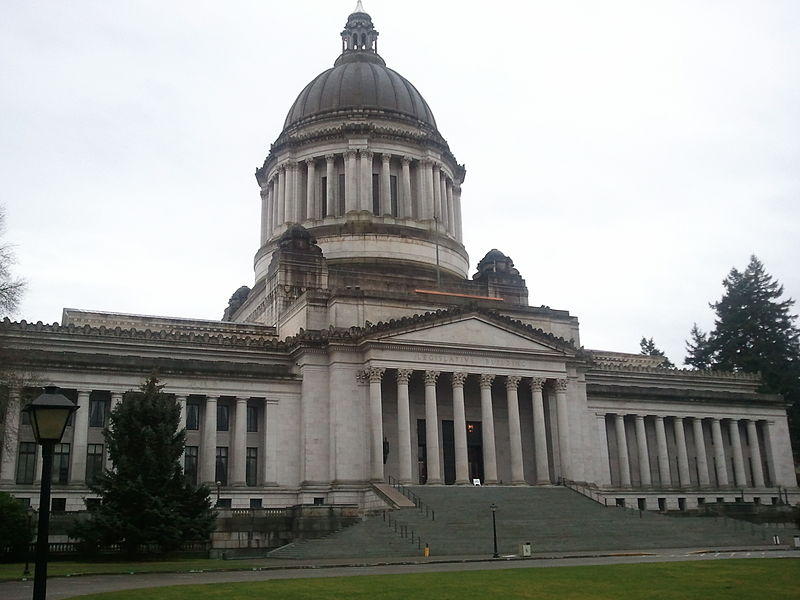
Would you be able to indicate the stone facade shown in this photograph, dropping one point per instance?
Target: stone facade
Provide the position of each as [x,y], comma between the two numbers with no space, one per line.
[363,351]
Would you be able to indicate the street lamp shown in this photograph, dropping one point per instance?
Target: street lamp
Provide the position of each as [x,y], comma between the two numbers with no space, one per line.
[28,513]
[49,415]
[219,484]
[494,529]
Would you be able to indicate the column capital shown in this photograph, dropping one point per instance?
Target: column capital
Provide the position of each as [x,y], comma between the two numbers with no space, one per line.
[386,158]
[366,154]
[375,374]
[330,157]
[291,165]
[659,418]
[431,377]
[459,377]
[118,396]
[403,375]
[561,385]
[178,397]
[537,383]
[240,399]
[512,381]
[361,377]
[715,420]
[281,168]
[350,153]
[426,162]
[407,160]
[639,417]
[310,161]
[486,381]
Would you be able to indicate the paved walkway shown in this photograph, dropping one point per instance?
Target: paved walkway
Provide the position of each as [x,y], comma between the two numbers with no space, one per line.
[67,587]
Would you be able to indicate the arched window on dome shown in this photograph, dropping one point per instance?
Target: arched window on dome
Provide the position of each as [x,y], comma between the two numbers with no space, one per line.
[355,41]
[363,41]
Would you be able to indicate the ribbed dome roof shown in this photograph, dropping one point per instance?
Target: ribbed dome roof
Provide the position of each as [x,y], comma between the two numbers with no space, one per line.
[360,84]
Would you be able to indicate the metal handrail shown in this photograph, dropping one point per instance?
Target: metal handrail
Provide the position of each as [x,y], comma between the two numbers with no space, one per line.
[404,530]
[418,503]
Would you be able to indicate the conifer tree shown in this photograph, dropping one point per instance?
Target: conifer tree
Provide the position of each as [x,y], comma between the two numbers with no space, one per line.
[649,348]
[145,498]
[698,352]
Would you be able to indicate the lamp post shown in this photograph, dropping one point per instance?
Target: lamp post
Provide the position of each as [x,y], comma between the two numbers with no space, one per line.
[27,571]
[49,415]
[494,529]
[219,485]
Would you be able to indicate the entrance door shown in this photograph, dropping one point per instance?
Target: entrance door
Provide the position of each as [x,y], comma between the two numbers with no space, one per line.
[475,450]
[449,452]
[422,452]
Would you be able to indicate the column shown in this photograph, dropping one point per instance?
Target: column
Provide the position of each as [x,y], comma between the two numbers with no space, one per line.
[622,452]
[451,209]
[350,183]
[375,375]
[604,472]
[700,452]
[406,211]
[275,201]
[563,426]
[432,428]
[403,426]
[755,454]
[366,180]
[683,457]
[427,198]
[738,459]
[644,455]
[719,453]
[239,450]
[208,449]
[264,214]
[443,200]
[514,431]
[292,193]
[311,189]
[280,201]
[270,429]
[330,186]
[80,433]
[487,430]
[539,432]
[180,400]
[457,206]
[663,457]
[437,192]
[386,185]
[10,445]
[460,429]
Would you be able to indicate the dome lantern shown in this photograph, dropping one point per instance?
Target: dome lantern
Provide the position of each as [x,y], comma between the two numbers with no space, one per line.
[359,34]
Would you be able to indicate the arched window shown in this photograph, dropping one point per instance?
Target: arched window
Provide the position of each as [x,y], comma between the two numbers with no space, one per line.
[355,41]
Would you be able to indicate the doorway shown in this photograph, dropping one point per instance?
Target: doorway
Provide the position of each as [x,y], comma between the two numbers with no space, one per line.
[474,451]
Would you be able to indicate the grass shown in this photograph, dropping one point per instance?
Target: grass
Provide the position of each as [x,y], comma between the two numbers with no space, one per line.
[13,571]
[746,579]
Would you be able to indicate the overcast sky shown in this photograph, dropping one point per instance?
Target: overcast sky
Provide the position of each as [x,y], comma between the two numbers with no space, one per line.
[626,155]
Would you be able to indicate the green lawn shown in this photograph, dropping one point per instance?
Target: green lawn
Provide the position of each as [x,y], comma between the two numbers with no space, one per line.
[13,571]
[756,579]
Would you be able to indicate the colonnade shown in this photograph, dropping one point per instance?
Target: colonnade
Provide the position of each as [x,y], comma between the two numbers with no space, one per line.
[301,190]
[374,375]
[701,447]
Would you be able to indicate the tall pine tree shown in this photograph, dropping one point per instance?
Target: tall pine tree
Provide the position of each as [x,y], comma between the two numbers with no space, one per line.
[649,348]
[754,332]
[145,498]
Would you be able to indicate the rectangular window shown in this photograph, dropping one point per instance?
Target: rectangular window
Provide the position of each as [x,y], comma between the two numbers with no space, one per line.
[341,193]
[190,464]
[256,503]
[221,471]
[61,463]
[193,416]
[58,504]
[223,417]
[324,196]
[26,464]
[393,194]
[376,194]
[252,419]
[94,462]
[97,412]
[224,503]
[252,466]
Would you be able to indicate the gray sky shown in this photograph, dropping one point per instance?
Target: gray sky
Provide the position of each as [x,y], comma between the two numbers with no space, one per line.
[626,155]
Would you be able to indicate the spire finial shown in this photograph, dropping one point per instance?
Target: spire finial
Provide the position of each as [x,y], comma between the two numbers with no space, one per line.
[359,7]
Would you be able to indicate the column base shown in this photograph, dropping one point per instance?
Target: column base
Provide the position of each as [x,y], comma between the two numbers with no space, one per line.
[543,482]
[519,483]
[462,482]
[434,482]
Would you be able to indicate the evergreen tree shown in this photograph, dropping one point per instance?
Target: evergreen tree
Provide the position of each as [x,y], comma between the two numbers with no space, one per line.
[649,348]
[145,498]
[754,332]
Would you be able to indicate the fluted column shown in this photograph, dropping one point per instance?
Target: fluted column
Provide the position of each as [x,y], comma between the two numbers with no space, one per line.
[280,201]
[427,200]
[604,472]
[366,180]
[239,449]
[403,426]
[487,430]
[622,452]
[457,206]
[290,202]
[563,426]
[719,453]
[738,459]
[683,456]
[663,457]
[264,214]
[539,432]
[208,450]
[405,210]
[80,433]
[375,375]
[437,188]
[311,189]
[432,428]
[755,454]
[443,199]
[8,445]
[514,430]
[460,429]
[700,451]
[386,185]
[276,200]
[330,186]
[350,181]
[270,442]
[451,210]
[644,455]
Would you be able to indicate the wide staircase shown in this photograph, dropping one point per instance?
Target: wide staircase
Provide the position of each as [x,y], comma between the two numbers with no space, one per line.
[458,521]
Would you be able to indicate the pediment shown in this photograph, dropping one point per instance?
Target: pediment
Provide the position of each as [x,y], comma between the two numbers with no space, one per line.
[472,332]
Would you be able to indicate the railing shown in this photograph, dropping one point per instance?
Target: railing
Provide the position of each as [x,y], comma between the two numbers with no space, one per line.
[418,503]
[590,492]
[77,548]
[402,529]
[257,512]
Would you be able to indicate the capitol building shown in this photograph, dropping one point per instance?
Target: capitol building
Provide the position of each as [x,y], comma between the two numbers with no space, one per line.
[366,349]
